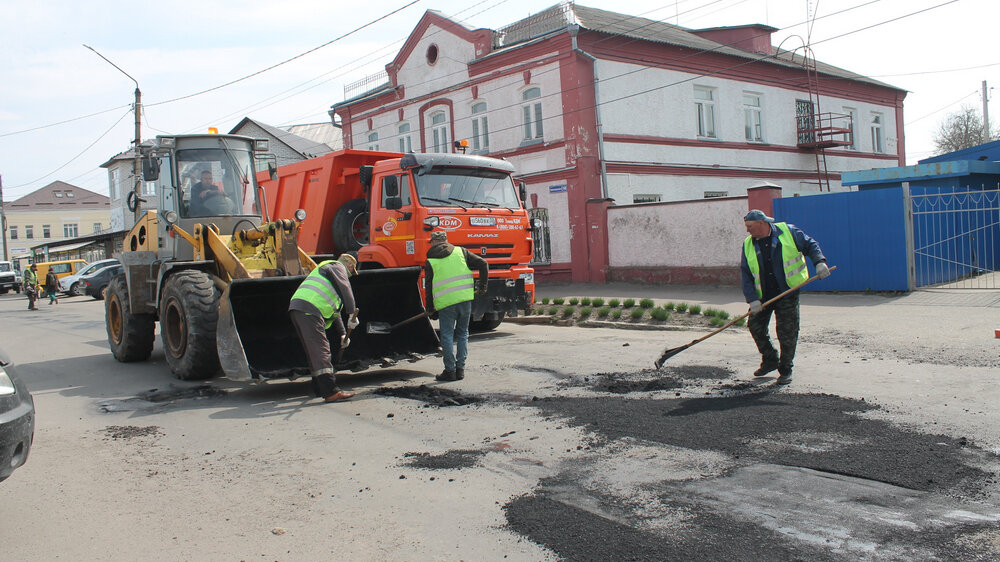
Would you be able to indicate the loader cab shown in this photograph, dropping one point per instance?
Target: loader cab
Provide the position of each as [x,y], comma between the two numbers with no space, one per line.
[205,179]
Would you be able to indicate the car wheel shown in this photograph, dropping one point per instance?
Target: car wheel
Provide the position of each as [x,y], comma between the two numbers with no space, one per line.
[76,290]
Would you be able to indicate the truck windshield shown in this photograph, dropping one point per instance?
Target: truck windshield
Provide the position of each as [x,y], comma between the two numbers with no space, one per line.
[4,267]
[445,186]
[215,182]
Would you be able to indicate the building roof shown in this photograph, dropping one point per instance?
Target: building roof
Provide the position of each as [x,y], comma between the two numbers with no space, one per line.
[989,152]
[308,148]
[59,195]
[325,133]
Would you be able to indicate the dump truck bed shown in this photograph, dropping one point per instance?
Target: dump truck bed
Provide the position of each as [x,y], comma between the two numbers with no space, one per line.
[256,339]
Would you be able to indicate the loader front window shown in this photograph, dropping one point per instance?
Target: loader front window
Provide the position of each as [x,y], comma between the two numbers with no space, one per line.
[467,187]
[215,182]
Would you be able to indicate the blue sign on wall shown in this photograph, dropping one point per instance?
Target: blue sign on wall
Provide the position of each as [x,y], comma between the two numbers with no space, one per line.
[561,188]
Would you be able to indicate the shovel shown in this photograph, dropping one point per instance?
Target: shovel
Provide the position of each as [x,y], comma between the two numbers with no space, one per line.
[668,353]
[385,328]
[340,354]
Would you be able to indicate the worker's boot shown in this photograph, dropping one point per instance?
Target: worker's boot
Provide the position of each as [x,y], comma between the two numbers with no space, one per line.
[446,376]
[784,376]
[459,373]
[766,366]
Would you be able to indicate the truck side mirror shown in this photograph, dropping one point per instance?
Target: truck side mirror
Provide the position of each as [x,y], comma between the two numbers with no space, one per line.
[390,186]
[150,168]
[522,190]
[394,203]
[365,176]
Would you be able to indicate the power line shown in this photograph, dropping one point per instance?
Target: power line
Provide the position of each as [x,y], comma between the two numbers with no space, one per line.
[937,71]
[972,93]
[63,122]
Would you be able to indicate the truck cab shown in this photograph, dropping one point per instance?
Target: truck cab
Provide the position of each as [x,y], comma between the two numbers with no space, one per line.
[10,278]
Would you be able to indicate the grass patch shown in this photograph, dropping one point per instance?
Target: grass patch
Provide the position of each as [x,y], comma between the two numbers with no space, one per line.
[681,307]
[545,300]
[741,322]
[598,302]
[553,310]
[585,312]
[716,313]
[637,313]
[660,314]
[614,303]
[616,314]
[669,306]
[558,301]
[573,301]
[647,303]
[568,311]
[694,309]
[629,303]
[716,321]
[604,311]
[585,301]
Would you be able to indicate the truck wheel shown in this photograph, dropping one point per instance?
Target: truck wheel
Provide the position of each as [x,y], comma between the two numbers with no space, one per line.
[350,226]
[489,322]
[129,335]
[189,312]
[3,291]
[76,290]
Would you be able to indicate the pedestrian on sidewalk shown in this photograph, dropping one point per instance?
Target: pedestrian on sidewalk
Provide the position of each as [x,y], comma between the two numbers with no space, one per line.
[51,286]
[31,285]
[316,307]
[774,261]
[449,294]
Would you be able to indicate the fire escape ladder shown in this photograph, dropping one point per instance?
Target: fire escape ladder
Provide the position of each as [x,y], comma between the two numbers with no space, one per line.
[819,125]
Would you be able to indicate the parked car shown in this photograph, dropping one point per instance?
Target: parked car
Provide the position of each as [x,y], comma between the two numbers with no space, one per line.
[10,278]
[17,419]
[71,283]
[95,283]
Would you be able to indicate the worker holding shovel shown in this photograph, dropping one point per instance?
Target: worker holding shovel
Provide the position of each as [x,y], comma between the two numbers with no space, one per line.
[316,307]
[773,262]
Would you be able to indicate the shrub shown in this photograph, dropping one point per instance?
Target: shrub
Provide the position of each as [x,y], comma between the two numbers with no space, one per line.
[574,301]
[660,314]
[647,303]
[681,307]
[614,303]
[616,314]
[669,306]
[553,310]
[604,311]
[694,309]
[585,301]
[558,300]
[568,311]
[722,315]
[716,321]
[741,322]
[545,300]
[597,302]
[585,312]
[637,313]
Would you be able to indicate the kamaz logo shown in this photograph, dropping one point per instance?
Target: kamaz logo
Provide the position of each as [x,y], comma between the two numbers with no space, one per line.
[449,223]
[484,235]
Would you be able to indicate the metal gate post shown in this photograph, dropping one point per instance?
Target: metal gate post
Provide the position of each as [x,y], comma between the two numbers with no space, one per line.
[911,272]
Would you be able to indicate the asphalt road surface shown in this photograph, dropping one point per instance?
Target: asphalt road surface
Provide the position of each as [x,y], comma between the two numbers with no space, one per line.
[561,443]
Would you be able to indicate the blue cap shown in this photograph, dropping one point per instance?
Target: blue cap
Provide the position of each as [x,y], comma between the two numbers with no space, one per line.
[757,215]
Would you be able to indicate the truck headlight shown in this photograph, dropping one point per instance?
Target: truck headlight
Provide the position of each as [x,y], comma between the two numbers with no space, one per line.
[300,215]
[529,278]
[432,221]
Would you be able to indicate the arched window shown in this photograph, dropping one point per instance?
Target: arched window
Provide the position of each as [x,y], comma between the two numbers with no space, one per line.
[405,142]
[439,132]
[480,128]
[532,113]
[373,140]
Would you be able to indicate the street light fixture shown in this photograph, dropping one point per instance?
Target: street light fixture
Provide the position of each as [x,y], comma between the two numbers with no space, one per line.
[137,164]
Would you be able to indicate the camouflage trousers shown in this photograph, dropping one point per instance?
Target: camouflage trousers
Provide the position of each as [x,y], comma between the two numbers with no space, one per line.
[786,312]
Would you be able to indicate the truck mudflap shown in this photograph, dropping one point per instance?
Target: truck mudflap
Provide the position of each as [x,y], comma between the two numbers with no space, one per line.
[256,339]
[505,296]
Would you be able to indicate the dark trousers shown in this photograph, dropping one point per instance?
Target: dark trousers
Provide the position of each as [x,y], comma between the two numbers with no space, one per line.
[312,334]
[786,324]
[32,293]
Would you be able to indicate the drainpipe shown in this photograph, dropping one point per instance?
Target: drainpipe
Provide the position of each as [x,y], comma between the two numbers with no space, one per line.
[573,30]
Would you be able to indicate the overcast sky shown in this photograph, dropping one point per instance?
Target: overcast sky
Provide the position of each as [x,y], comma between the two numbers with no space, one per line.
[178,48]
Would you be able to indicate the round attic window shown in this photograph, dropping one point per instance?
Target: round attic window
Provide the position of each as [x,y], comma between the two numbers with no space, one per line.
[432,54]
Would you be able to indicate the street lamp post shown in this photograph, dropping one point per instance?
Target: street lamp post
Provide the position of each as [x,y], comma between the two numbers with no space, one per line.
[137,163]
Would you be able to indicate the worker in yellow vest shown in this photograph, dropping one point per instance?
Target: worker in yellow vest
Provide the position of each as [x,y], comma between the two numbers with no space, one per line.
[30,285]
[450,290]
[773,261]
[318,306]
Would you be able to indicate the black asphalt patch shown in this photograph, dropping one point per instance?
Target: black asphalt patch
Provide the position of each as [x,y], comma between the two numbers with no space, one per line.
[434,396]
[450,460]
[652,380]
[817,431]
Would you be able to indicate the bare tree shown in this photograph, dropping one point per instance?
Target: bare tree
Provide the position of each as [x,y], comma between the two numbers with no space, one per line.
[962,129]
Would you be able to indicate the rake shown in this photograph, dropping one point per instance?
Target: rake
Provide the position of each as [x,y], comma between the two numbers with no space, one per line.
[668,353]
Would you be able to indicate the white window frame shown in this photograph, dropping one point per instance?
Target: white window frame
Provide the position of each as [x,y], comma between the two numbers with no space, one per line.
[405,140]
[851,124]
[373,141]
[531,114]
[116,178]
[13,232]
[29,232]
[704,105]
[97,227]
[753,117]
[480,128]
[71,230]
[878,141]
[439,131]
[46,231]
[149,188]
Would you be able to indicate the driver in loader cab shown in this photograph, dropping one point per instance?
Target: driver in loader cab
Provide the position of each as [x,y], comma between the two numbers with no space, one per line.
[315,308]
[208,199]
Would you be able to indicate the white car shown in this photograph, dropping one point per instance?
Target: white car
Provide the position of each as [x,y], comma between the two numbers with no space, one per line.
[71,283]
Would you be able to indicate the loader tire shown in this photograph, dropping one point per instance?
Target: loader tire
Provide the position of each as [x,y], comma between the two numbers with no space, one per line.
[350,226]
[488,323]
[189,313]
[129,335]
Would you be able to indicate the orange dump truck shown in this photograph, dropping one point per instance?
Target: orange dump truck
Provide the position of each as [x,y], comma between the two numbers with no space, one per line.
[384,205]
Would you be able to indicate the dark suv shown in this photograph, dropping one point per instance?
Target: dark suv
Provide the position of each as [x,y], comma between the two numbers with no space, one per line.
[17,419]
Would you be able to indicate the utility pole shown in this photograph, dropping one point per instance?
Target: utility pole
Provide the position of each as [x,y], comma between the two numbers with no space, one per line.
[986,113]
[3,221]
[137,162]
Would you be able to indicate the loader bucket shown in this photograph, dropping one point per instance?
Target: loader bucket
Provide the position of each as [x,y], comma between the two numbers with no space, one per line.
[257,340]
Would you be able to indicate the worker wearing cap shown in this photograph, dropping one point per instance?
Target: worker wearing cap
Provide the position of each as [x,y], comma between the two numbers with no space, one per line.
[315,308]
[449,293]
[31,285]
[774,261]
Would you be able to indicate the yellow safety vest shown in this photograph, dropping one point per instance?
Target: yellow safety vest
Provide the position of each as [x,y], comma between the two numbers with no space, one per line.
[792,261]
[452,281]
[318,291]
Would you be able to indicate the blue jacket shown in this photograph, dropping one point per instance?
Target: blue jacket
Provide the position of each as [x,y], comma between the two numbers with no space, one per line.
[809,247]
